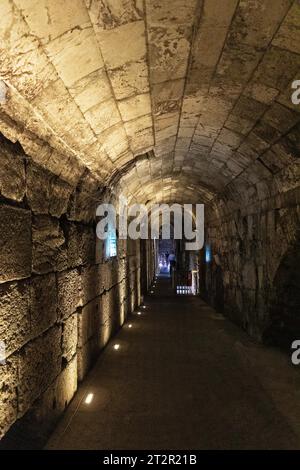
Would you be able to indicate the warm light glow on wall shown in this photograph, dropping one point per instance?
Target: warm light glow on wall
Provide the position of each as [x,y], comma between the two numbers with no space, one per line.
[116,347]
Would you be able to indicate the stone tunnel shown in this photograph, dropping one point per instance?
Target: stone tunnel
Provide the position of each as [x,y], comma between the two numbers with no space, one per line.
[159,102]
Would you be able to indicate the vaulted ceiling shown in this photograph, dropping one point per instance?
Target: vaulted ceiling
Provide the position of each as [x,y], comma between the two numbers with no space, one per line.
[200,88]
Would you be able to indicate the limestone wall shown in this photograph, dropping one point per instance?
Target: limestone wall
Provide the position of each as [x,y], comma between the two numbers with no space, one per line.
[251,238]
[59,303]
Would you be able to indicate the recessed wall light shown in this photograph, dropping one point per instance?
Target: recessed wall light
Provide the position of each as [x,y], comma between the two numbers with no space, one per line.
[130,325]
[116,347]
[89,398]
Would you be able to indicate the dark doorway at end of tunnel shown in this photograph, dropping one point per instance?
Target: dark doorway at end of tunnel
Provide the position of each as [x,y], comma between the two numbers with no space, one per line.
[166,254]
[179,265]
[285,302]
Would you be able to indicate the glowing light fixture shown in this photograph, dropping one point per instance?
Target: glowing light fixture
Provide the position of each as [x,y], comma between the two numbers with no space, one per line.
[130,325]
[208,253]
[89,398]
[116,347]
[139,313]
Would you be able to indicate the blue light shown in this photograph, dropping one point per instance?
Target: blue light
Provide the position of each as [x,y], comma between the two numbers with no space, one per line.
[208,254]
[111,243]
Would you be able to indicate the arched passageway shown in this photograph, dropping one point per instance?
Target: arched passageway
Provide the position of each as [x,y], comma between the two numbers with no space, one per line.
[151,101]
[285,304]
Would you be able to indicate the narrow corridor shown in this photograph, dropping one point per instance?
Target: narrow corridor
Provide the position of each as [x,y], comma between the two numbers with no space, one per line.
[183,377]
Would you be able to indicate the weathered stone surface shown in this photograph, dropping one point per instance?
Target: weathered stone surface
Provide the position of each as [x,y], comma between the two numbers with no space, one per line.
[85,355]
[109,313]
[15,324]
[69,292]
[108,274]
[91,284]
[80,244]
[43,303]
[97,112]
[47,409]
[66,385]
[48,245]
[197,108]
[89,321]
[12,172]
[39,366]
[15,244]
[70,337]
[46,193]
[8,394]
[251,249]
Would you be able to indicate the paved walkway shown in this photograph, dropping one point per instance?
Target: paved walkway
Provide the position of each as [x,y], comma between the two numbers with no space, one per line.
[184,378]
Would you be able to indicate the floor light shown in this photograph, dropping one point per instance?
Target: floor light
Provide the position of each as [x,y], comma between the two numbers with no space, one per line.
[89,398]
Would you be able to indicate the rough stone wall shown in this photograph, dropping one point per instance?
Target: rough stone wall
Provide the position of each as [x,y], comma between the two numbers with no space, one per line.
[249,240]
[59,303]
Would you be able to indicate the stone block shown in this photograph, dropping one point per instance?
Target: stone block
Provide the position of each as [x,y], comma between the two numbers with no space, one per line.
[82,206]
[106,332]
[108,275]
[91,284]
[85,355]
[8,394]
[12,172]
[15,252]
[46,193]
[69,292]
[53,402]
[66,384]
[89,321]
[122,288]
[110,309]
[43,303]
[80,244]
[49,250]
[14,315]
[70,337]
[39,365]
[122,267]
[132,263]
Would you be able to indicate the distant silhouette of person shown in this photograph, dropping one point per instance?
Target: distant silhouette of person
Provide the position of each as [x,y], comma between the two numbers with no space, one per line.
[167,256]
[172,260]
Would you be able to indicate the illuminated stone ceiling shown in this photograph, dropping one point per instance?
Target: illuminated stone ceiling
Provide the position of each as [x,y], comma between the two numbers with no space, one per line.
[202,87]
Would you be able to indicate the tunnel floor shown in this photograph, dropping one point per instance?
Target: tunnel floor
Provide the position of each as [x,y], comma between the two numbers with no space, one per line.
[184,377]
